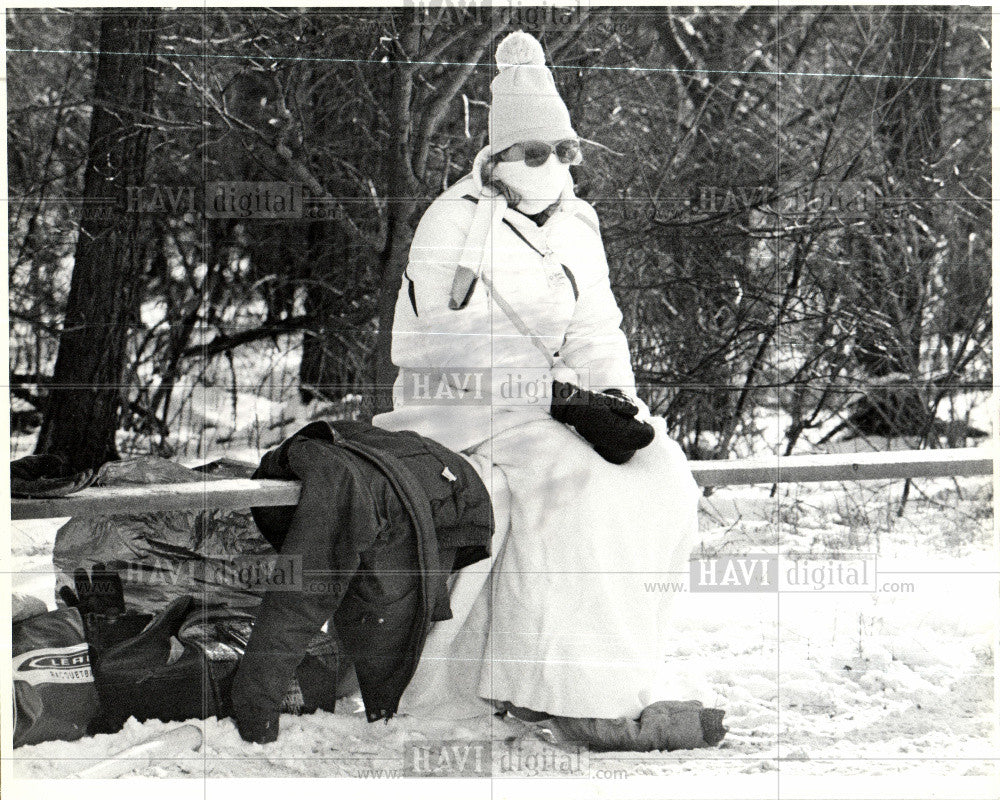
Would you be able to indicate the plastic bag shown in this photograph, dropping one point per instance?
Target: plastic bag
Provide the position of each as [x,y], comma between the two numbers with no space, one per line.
[167,554]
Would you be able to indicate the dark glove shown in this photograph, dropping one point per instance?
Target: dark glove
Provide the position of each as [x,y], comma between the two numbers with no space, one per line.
[605,419]
[255,725]
[617,455]
[633,409]
[46,475]
[100,599]
[99,592]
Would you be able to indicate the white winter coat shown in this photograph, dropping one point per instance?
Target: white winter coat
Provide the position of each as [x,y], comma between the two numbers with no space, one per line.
[560,619]
[582,334]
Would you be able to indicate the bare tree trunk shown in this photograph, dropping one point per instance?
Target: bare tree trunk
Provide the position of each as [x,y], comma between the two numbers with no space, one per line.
[403,189]
[85,396]
[325,370]
[895,257]
[393,262]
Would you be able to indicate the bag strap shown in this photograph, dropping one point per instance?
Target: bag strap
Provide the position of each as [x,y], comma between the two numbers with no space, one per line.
[519,323]
[466,280]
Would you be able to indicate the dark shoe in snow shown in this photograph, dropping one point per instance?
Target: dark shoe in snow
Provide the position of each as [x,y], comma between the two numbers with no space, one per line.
[666,725]
[524,714]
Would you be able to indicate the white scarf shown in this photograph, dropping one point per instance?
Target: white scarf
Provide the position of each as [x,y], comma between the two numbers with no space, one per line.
[474,263]
[490,212]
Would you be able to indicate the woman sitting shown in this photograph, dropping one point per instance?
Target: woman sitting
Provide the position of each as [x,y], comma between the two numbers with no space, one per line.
[506,304]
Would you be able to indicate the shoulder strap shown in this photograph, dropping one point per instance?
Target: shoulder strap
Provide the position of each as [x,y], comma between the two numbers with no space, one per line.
[533,246]
[506,307]
[518,322]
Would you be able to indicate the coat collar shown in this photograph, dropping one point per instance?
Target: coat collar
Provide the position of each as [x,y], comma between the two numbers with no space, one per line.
[544,215]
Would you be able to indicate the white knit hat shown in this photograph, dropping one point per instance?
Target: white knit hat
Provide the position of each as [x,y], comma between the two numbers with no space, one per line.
[526,105]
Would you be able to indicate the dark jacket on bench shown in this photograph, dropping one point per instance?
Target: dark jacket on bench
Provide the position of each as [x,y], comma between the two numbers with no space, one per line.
[383,518]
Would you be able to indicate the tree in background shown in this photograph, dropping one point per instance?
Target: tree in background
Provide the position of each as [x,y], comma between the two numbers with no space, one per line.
[86,392]
[896,254]
[733,311]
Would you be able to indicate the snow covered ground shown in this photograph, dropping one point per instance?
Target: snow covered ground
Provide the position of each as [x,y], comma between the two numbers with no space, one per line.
[891,689]
[898,681]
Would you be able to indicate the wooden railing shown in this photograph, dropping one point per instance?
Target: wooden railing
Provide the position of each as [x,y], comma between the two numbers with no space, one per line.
[244,493]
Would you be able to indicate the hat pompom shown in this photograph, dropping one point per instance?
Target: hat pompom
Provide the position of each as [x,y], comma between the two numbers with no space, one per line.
[518,49]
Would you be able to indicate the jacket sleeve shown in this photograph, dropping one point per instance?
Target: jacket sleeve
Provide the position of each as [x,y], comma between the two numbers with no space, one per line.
[426,332]
[595,345]
[429,335]
[286,621]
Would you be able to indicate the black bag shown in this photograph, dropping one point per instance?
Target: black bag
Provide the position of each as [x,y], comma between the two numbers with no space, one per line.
[181,666]
[54,692]
[158,675]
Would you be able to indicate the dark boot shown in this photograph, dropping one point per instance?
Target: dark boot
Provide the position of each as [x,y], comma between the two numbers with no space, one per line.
[666,725]
[519,712]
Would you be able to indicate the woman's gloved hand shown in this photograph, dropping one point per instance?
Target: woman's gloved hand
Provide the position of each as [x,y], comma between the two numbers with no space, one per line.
[605,419]
[619,455]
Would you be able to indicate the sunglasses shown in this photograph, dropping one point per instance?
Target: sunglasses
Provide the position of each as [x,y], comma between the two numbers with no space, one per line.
[534,154]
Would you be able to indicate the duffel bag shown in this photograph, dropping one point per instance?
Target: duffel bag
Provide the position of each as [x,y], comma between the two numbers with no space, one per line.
[181,666]
[54,692]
